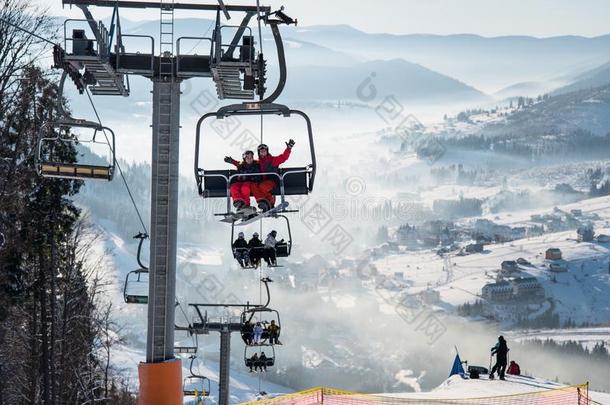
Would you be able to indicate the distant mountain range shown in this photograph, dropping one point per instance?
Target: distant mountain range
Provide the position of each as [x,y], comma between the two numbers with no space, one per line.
[397,77]
[329,62]
[489,64]
[597,77]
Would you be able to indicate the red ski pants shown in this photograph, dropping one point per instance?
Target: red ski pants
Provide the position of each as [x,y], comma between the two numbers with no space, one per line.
[241,191]
[264,191]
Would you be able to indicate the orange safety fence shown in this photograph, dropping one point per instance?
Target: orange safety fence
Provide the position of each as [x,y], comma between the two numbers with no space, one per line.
[568,395]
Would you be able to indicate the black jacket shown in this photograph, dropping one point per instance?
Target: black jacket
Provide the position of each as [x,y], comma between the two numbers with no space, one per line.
[244,167]
[255,242]
[240,244]
[501,351]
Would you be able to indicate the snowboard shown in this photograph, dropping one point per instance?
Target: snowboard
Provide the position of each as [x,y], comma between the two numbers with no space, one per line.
[253,218]
[233,217]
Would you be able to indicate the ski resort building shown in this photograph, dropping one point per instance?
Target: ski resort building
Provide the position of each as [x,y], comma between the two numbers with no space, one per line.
[509,266]
[528,288]
[558,267]
[553,254]
[585,233]
[499,291]
[603,238]
[525,289]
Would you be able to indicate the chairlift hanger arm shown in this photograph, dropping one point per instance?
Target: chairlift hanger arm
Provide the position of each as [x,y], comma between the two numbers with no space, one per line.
[142,237]
[281,57]
[155,4]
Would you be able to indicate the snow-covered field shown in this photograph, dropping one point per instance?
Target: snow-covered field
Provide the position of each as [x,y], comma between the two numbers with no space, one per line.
[587,337]
[456,387]
[580,294]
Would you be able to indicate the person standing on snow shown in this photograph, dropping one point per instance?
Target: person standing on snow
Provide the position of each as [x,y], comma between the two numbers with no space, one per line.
[242,186]
[501,352]
[263,191]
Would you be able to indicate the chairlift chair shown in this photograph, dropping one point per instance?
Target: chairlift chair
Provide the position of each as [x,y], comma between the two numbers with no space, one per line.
[51,134]
[250,350]
[182,348]
[195,384]
[135,290]
[281,249]
[248,316]
[212,183]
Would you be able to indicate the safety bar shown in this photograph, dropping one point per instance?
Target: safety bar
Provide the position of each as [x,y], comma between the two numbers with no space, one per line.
[228,180]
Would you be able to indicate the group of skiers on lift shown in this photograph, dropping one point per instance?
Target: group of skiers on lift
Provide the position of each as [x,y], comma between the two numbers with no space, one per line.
[255,183]
[249,253]
[255,334]
[259,363]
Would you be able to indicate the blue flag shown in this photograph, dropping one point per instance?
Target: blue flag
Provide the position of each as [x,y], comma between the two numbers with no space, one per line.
[457,367]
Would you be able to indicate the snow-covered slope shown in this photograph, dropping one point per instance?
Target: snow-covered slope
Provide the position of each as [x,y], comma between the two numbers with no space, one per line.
[456,387]
[580,294]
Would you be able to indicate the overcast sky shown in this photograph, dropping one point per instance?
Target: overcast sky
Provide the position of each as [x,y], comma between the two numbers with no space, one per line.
[540,18]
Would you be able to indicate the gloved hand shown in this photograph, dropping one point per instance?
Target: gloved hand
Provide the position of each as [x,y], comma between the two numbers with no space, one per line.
[228,159]
[281,241]
[290,143]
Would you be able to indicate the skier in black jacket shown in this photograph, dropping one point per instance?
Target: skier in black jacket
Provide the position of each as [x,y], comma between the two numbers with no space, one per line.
[240,250]
[256,249]
[501,352]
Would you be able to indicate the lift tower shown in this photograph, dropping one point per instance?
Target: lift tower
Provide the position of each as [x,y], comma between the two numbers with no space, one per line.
[106,74]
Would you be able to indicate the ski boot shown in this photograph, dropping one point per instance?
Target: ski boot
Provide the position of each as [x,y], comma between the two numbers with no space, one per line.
[264,205]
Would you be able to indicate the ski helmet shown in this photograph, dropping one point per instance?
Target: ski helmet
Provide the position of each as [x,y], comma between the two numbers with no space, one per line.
[255,234]
[274,233]
[240,235]
[262,146]
[246,153]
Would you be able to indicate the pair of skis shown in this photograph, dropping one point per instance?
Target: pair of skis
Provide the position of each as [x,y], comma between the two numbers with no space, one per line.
[240,219]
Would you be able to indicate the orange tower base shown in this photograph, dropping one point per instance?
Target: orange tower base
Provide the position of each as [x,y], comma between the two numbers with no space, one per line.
[160,383]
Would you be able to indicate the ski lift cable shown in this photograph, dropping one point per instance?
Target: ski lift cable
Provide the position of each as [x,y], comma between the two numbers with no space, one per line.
[201,40]
[133,202]
[27,31]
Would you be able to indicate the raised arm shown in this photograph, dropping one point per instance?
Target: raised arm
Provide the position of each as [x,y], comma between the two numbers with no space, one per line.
[232,161]
[279,159]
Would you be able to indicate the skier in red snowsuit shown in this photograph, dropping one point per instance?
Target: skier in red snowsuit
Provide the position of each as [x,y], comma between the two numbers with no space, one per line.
[263,191]
[241,186]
